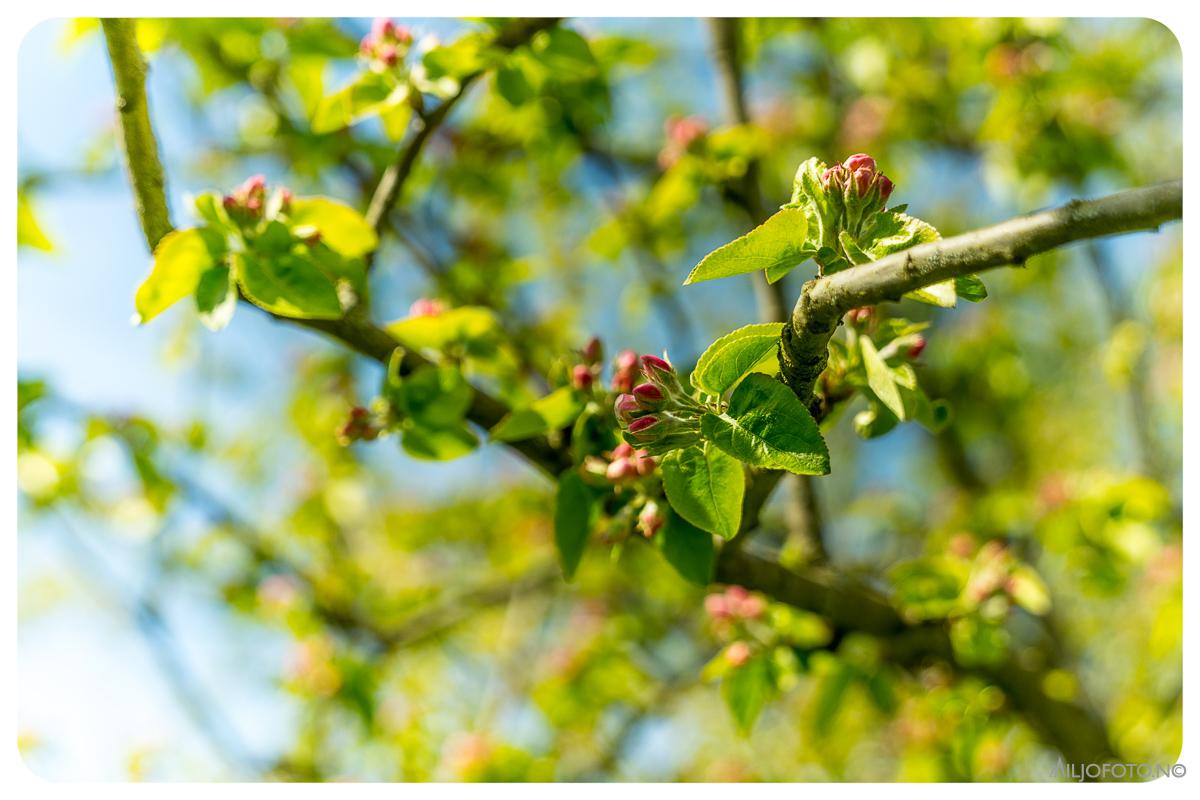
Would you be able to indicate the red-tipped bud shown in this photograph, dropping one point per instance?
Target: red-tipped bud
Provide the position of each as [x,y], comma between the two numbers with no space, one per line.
[651,520]
[752,607]
[716,606]
[916,348]
[859,161]
[735,595]
[862,180]
[860,314]
[229,202]
[387,54]
[254,184]
[426,307]
[653,365]
[648,395]
[645,464]
[593,351]
[627,359]
[581,376]
[737,653]
[885,187]
[382,28]
[623,450]
[643,427]
[619,470]
[623,375]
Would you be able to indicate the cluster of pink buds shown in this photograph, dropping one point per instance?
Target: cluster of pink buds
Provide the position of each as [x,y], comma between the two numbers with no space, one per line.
[860,315]
[386,45]
[584,375]
[858,176]
[624,464]
[360,427]
[681,131]
[626,371]
[659,414]
[651,519]
[735,603]
[248,201]
[426,307]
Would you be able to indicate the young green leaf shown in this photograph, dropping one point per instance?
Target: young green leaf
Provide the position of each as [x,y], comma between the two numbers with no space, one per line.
[766,425]
[890,232]
[746,690]
[734,356]
[179,261]
[438,444]
[688,549]
[776,243]
[573,512]
[553,412]
[970,287]
[289,285]
[435,397]
[881,378]
[462,326]
[341,227]
[365,95]
[216,297]
[705,486]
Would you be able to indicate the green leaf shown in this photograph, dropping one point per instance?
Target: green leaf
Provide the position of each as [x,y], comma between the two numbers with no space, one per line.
[688,549]
[573,513]
[29,230]
[553,412]
[766,425]
[465,325]
[890,232]
[438,444]
[829,697]
[435,397]
[341,227]
[778,242]
[289,285]
[367,94]
[928,588]
[705,486]
[1028,591]
[179,260]
[970,287]
[734,356]
[216,297]
[747,689]
[881,378]
[512,84]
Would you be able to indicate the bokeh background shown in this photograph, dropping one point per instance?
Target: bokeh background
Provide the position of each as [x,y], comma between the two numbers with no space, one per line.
[211,587]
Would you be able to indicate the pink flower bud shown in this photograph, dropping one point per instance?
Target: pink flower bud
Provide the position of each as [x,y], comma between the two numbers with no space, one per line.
[426,307]
[627,359]
[834,177]
[752,607]
[581,376]
[387,54]
[285,199]
[593,351]
[229,202]
[619,470]
[651,519]
[623,450]
[382,28]
[403,35]
[859,161]
[735,595]
[643,427]
[653,365]
[862,180]
[860,314]
[254,184]
[885,188]
[645,463]
[917,347]
[648,395]
[716,606]
[737,653]
[625,407]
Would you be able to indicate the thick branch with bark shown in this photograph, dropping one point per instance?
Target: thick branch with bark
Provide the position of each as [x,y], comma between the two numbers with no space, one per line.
[823,301]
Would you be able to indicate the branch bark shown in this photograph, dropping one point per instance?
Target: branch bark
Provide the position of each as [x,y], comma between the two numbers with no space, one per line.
[823,301]
[136,133]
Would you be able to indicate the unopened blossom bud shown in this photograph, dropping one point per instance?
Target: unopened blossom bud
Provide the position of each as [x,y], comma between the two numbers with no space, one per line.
[623,450]
[625,372]
[619,470]
[651,519]
[229,202]
[426,307]
[358,427]
[645,462]
[916,348]
[581,376]
[737,653]
[387,54]
[716,606]
[648,396]
[382,28]
[859,161]
[593,351]
[885,187]
[752,607]
[860,314]
[643,428]
[625,407]
[652,365]
[285,200]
